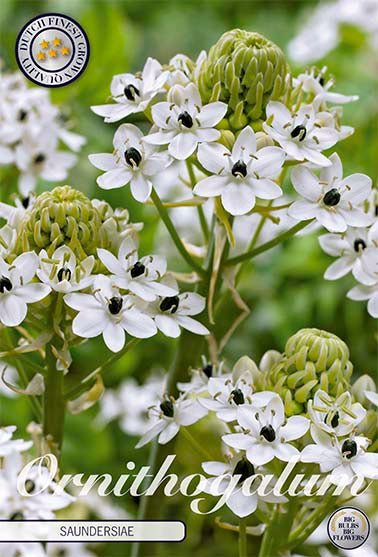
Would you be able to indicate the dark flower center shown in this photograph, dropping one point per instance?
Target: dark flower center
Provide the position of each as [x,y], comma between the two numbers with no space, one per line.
[349,448]
[171,303]
[38,159]
[335,420]
[25,202]
[239,169]
[321,81]
[208,370]
[167,408]
[137,270]
[268,433]
[299,132]
[16,516]
[5,284]
[115,305]
[185,119]
[130,92]
[29,486]
[237,396]
[22,115]
[64,274]
[133,157]
[331,198]
[359,245]
[245,469]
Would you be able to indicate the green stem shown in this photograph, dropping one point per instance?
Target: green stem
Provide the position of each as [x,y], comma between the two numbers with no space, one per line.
[268,245]
[268,538]
[54,405]
[201,450]
[306,527]
[242,538]
[174,235]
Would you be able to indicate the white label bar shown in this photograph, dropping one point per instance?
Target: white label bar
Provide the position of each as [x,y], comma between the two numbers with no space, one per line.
[91,531]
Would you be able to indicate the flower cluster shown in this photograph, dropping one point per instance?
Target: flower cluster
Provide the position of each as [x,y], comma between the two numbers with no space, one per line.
[238,130]
[259,432]
[32,130]
[64,247]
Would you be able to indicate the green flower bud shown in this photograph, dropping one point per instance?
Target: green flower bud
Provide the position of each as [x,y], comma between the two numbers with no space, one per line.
[363,383]
[64,216]
[246,71]
[312,360]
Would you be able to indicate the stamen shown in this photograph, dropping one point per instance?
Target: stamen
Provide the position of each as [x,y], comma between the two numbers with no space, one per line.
[64,274]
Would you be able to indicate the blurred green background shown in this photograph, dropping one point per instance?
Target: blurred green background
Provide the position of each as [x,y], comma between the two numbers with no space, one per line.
[285,291]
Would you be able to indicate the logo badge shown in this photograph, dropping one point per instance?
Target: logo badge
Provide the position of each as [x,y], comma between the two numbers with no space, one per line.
[348,528]
[52,50]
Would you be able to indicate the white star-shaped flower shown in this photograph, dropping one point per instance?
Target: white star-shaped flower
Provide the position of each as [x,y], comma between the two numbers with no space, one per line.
[332,200]
[299,134]
[241,175]
[62,272]
[133,93]
[139,275]
[343,458]
[267,434]
[17,290]
[239,501]
[108,313]
[368,275]
[349,248]
[133,162]
[170,415]
[314,82]
[184,123]
[9,445]
[338,417]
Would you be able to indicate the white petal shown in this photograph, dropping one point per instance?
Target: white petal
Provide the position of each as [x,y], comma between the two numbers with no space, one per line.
[334,172]
[183,145]
[12,310]
[260,454]
[211,186]
[151,434]
[114,337]
[295,428]
[140,187]
[245,145]
[110,261]
[33,292]
[239,441]
[114,179]
[358,187]
[168,326]
[265,188]
[284,451]
[242,505]
[306,183]
[90,323]
[331,220]
[168,433]
[103,161]
[339,268]
[192,325]
[213,157]
[238,199]
[373,305]
[302,210]
[138,324]
[211,114]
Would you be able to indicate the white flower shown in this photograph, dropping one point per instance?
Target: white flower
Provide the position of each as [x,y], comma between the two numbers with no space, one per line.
[339,417]
[140,276]
[229,393]
[242,174]
[171,415]
[349,248]
[313,82]
[172,312]
[200,377]
[64,549]
[372,396]
[133,93]
[333,201]
[17,290]
[14,214]
[343,458]
[16,549]
[8,237]
[37,156]
[108,313]
[132,162]
[240,503]
[62,272]
[267,435]
[299,134]
[184,122]
[9,445]
[40,506]
[362,292]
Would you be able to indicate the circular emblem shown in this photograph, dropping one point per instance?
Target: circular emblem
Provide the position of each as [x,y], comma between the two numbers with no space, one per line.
[52,50]
[348,528]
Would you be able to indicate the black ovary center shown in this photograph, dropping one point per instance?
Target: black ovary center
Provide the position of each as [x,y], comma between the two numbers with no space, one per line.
[171,304]
[130,92]
[133,157]
[332,198]
[208,370]
[29,486]
[245,469]
[40,158]
[22,115]
[25,202]
[185,119]
[167,408]
[268,433]
[16,516]
[359,245]
[115,305]
[137,270]
[237,396]
[349,448]
[335,419]
[5,284]
[239,169]
[64,274]
[300,132]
